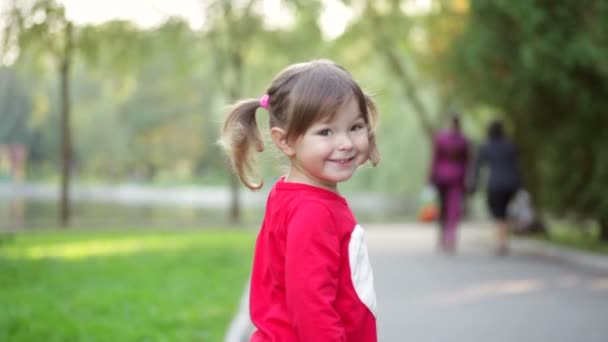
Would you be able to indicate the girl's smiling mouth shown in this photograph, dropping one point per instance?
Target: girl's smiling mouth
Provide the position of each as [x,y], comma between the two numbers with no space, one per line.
[343,161]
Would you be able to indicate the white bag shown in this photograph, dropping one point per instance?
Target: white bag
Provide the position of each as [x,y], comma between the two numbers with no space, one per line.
[520,211]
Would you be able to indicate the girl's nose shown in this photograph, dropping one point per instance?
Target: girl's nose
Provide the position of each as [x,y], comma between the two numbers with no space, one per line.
[345,142]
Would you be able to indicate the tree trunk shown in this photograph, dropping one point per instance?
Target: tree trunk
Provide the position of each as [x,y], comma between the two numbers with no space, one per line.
[409,90]
[603,222]
[235,94]
[235,200]
[408,86]
[66,140]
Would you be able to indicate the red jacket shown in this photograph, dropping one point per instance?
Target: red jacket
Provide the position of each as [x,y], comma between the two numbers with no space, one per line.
[311,279]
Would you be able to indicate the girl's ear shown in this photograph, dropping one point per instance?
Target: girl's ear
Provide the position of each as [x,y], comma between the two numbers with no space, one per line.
[279,137]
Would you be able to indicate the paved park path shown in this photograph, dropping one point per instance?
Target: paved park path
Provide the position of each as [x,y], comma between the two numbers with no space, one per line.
[474,296]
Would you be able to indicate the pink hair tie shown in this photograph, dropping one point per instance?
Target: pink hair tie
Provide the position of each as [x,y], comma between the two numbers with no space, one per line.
[264,101]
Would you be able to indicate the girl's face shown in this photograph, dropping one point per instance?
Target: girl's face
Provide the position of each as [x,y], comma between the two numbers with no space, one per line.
[330,151]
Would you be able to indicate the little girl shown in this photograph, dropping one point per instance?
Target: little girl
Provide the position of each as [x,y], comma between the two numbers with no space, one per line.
[311,278]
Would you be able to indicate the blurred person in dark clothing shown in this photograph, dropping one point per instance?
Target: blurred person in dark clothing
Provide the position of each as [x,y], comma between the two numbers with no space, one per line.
[498,154]
[448,174]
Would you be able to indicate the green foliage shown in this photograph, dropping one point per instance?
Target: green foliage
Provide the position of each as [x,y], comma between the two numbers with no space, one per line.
[15,108]
[578,235]
[147,104]
[121,285]
[542,65]
[40,29]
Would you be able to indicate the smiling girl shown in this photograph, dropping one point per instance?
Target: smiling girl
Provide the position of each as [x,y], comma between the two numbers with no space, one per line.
[311,277]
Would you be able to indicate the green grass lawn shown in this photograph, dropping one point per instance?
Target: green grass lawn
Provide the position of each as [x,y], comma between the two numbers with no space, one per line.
[573,236]
[122,285]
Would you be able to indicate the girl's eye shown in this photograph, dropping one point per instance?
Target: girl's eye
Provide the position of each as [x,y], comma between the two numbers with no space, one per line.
[325,132]
[357,127]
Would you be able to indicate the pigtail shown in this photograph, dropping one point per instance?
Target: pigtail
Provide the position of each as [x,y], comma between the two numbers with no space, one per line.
[239,136]
[374,153]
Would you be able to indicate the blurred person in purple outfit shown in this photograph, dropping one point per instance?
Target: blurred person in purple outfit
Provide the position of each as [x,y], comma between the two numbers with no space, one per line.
[448,173]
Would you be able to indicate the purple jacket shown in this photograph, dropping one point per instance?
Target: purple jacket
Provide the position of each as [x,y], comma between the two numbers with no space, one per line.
[450,158]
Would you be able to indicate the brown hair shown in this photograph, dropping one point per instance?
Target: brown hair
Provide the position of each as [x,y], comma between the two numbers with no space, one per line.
[300,95]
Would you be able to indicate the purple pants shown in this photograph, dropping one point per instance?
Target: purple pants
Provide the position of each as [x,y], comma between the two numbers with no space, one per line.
[450,211]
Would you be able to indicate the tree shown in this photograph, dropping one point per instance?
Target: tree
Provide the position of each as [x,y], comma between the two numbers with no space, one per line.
[231,28]
[41,28]
[408,44]
[14,108]
[542,65]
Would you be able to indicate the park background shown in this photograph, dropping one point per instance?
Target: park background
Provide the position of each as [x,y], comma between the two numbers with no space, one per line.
[109,124]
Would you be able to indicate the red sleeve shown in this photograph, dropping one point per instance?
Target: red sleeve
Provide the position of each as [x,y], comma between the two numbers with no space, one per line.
[312,260]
